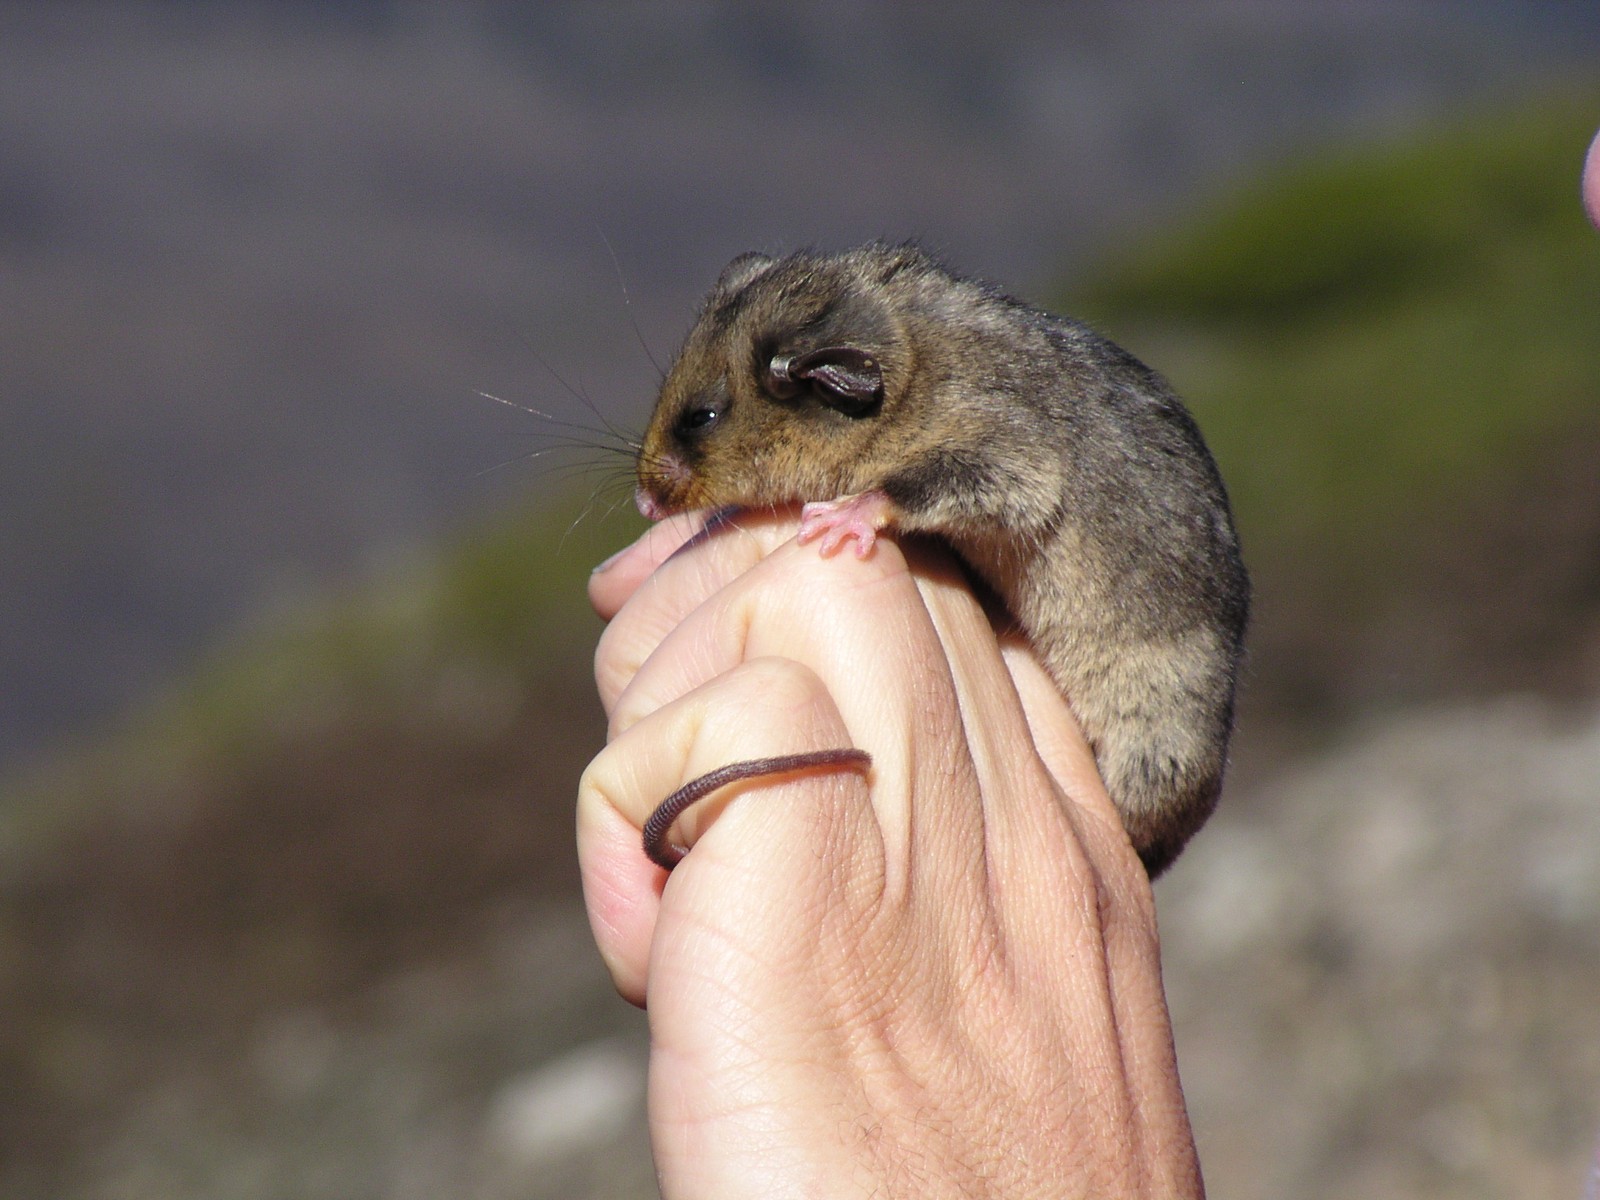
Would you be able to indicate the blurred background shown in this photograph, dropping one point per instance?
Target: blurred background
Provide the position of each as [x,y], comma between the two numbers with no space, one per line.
[293,648]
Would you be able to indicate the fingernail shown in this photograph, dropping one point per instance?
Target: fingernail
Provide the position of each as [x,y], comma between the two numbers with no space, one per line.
[609,563]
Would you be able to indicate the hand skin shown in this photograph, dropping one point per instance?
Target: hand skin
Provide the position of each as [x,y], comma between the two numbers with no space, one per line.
[1591,182]
[940,979]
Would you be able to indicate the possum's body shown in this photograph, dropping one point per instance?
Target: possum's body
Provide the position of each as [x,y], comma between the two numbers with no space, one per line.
[1064,472]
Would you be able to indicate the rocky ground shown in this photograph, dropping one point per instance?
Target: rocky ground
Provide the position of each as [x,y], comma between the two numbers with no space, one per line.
[1383,962]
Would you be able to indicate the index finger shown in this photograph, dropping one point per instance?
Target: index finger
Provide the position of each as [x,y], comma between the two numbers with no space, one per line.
[1591,182]
[661,581]
[614,580]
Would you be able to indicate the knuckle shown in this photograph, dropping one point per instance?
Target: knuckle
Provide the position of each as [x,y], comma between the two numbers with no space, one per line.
[597,784]
[783,681]
[616,660]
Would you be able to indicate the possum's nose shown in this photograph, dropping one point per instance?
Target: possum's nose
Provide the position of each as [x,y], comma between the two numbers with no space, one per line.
[649,507]
[663,479]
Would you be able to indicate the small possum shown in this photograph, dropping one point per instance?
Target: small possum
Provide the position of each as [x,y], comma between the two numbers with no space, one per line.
[1067,476]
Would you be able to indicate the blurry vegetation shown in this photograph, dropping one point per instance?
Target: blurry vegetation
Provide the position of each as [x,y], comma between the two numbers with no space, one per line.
[1395,354]
[1379,343]
[461,640]
[374,786]
[492,613]
[344,791]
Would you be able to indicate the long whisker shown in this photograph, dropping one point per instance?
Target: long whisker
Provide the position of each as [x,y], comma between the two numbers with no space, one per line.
[588,510]
[622,441]
[606,460]
[577,393]
[627,302]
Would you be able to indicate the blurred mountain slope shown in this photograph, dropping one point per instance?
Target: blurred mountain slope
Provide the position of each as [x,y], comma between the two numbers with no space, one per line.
[310,917]
[256,257]
[1395,354]
[380,781]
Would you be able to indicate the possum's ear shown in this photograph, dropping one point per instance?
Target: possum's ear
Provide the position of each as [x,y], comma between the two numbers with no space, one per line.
[742,271]
[842,377]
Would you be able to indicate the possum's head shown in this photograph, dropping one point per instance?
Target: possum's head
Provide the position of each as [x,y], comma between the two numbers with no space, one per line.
[784,383]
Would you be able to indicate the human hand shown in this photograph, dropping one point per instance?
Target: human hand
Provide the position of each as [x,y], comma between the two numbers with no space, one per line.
[942,979]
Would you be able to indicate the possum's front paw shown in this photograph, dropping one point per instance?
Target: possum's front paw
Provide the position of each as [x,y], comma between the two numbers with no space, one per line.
[836,521]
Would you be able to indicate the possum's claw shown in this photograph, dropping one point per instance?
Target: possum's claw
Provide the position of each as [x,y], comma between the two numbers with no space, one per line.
[836,521]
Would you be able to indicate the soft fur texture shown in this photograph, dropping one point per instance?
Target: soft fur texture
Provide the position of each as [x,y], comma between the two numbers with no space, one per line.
[1065,473]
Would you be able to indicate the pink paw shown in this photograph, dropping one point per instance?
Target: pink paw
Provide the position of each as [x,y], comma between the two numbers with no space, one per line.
[836,521]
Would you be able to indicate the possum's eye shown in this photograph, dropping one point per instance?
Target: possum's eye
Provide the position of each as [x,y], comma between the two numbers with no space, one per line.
[697,422]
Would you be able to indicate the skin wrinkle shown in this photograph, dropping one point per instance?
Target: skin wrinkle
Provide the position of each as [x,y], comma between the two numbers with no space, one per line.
[896,1092]
[961,1087]
[758,1055]
[610,898]
[877,1001]
[855,988]
[972,703]
[823,1034]
[756,1127]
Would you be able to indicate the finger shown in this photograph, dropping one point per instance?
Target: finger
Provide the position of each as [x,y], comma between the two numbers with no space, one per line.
[657,584]
[746,593]
[761,708]
[1091,819]
[614,580]
[1591,182]
[1119,917]
[992,715]
[1058,739]
[862,625]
